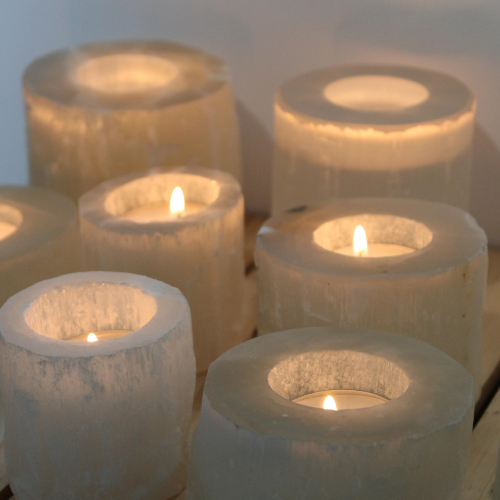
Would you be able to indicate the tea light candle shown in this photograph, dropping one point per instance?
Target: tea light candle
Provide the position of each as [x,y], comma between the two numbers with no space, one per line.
[434,293]
[340,400]
[129,224]
[39,237]
[372,131]
[103,110]
[124,403]
[253,441]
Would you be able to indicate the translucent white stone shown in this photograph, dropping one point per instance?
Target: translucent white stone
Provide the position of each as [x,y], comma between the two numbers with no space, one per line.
[435,293]
[253,442]
[374,131]
[103,110]
[45,241]
[200,253]
[106,419]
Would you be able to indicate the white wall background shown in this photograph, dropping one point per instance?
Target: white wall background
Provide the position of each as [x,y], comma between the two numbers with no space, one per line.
[264,43]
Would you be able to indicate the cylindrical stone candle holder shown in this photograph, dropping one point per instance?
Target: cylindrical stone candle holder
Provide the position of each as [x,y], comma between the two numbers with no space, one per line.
[372,131]
[105,419]
[39,237]
[433,292]
[103,110]
[127,225]
[255,441]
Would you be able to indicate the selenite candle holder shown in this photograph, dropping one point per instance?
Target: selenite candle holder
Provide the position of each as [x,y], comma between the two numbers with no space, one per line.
[253,441]
[435,293]
[372,131]
[39,237]
[103,110]
[105,419]
[201,253]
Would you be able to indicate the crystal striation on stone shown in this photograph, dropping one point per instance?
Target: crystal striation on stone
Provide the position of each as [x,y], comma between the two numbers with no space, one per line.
[435,293]
[106,419]
[253,442]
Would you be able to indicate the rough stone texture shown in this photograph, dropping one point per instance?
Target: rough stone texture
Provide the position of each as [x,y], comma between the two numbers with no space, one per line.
[435,294]
[201,254]
[324,150]
[99,420]
[253,442]
[80,135]
[46,243]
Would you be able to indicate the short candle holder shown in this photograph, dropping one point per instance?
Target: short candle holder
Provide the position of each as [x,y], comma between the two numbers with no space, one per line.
[132,224]
[253,441]
[39,237]
[372,131]
[423,273]
[104,419]
[103,110]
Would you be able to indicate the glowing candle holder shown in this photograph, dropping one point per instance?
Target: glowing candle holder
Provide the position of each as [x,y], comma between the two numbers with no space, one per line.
[254,442]
[38,237]
[434,293]
[128,225]
[105,419]
[372,131]
[103,110]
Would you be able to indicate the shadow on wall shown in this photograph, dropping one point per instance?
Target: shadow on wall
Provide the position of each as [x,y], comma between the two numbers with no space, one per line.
[257,154]
[485,191]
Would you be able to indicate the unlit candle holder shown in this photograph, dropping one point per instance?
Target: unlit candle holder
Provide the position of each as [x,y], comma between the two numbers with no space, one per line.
[254,442]
[98,111]
[106,419]
[374,131]
[435,293]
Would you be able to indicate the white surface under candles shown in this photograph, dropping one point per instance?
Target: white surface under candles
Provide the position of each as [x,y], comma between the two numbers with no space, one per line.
[254,442]
[103,110]
[127,225]
[434,293]
[374,131]
[124,403]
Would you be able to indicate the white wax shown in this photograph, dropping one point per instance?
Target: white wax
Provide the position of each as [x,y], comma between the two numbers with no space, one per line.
[345,400]
[376,250]
[6,229]
[103,335]
[159,212]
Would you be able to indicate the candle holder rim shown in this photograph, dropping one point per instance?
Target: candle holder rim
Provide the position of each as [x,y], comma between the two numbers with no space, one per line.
[45,215]
[265,411]
[50,76]
[438,108]
[15,330]
[92,204]
[456,238]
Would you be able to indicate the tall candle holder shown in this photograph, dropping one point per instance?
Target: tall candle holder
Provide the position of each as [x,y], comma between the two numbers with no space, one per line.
[103,419]
[432,288]
[254,441]
[102,110]
[129,224]
[374,131]
[39,237]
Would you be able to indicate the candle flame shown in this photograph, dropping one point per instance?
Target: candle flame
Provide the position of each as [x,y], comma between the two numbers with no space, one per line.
[92,337]
[329,403]
[177,201]
[359,243]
